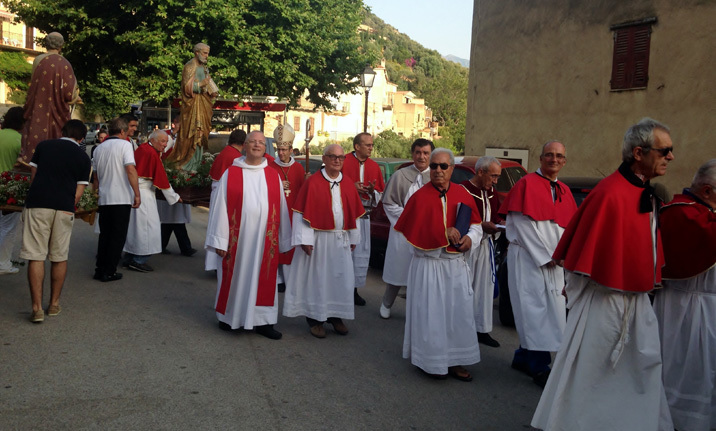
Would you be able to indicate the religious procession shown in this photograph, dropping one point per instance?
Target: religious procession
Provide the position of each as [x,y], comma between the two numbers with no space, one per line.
[613,300]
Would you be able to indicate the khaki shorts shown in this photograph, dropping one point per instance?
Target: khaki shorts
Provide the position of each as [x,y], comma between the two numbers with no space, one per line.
[46,234]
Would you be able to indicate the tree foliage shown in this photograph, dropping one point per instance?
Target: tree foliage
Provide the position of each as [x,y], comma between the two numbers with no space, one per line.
[135,49]
[16,72]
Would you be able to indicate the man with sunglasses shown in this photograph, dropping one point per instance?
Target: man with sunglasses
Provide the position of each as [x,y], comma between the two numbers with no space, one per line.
[440,336]
[537,210]
[325,231]
[608,373]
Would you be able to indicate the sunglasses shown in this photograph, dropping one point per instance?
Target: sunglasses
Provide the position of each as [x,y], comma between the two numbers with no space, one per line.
[443,166]
[663,151]
[333,157]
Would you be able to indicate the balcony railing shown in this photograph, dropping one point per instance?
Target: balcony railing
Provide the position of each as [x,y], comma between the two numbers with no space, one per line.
[12,39]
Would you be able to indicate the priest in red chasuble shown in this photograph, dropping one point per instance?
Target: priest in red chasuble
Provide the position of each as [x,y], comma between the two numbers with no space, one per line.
[440,336]
[53,88]
[537,210]
[686,306]
[144,232]
[607,373]
[319,285]
[248,227]
[365,174]
[292,176]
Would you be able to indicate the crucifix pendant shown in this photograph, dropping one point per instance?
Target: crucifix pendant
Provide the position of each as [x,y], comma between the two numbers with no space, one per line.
[287,192]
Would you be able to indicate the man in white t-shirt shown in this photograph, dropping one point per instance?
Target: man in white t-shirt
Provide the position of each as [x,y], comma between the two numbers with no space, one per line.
[118,194]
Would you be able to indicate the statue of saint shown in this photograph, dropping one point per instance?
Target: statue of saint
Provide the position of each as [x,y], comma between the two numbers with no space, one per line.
[53,88]
[198,92]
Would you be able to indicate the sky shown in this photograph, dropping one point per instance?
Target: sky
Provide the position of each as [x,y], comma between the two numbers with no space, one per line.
[445,26]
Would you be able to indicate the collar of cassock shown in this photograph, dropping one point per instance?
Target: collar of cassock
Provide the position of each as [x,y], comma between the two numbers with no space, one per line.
[441,191]
[359,162]
[334,182]
[645,200]
[555,186]
[688,193]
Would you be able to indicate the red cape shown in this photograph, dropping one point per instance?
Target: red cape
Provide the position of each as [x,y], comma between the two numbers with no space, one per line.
[149,166]
[371,172]
[688,230]
[609,240]
[532,196]
[222,162]
[314,202]
[295,175]
[422,221]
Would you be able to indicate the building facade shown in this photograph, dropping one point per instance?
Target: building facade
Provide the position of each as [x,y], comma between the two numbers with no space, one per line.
[16,37]
[583,71]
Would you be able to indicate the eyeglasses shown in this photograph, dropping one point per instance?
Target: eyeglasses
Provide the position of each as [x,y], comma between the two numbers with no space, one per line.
[663,151]
[553,156]
[443,166]
[333,157]
[254,141]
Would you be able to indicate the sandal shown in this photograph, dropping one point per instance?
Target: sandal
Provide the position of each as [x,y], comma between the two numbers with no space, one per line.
[460,373]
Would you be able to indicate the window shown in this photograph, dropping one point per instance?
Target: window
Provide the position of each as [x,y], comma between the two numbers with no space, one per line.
[296,123]
[630,64]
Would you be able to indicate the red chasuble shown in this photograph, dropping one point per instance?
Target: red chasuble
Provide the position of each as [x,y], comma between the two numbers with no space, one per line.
[423,221]
[371,172]
[222,162]
[610,241]
[266,292]
[532,196]
[314,202]
[688,229]
[295,175]
[150,167]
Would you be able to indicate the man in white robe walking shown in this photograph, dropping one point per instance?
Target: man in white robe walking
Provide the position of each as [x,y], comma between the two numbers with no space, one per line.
[248,227]
[400,188]
[325,231]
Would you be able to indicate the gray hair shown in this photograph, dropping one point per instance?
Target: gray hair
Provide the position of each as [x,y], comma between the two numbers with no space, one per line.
[484,163]
[640,135]
[705,175]
[157,133]
[328,147]
[54,40]
[441,150]
[199,46]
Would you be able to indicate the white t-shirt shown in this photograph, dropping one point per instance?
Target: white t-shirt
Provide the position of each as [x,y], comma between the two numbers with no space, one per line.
[110,159]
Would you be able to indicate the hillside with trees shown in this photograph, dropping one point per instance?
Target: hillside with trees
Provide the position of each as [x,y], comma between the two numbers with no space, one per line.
[442,83]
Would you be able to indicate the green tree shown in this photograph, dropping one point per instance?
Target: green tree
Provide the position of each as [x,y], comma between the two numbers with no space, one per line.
[135,49]
[16,72]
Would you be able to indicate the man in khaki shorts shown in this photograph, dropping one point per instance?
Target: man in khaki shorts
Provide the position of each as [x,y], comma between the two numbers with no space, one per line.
[60,173]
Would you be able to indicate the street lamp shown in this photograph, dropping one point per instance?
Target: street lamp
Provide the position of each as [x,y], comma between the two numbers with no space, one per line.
[366,81]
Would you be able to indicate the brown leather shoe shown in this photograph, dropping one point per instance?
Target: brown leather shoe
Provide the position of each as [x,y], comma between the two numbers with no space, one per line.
[338,326]
[318,331]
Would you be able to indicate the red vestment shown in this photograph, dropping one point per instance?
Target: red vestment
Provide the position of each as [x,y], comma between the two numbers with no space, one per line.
[266,291]
[150,167]
[371,172]
[610,241]
[530,195]
[222,162]
[47,108]
[295,175]
[314,202]
[423,222]
[688,230]
[493,198]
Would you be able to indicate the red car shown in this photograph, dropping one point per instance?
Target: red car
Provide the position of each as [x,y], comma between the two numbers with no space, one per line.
[464,170]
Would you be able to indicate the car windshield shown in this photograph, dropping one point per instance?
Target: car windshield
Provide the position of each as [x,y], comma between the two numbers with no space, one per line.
[509,177]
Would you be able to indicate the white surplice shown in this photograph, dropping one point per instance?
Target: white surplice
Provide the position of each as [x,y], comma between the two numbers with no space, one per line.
[535,290]
[175,214]
[607,374]
[320,286]
[144,234]
[482,264]
[241,309]
[439,320]
[398,252]
[361,254]
[686,310]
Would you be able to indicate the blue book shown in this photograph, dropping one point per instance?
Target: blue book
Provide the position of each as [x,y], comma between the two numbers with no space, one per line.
[462,221]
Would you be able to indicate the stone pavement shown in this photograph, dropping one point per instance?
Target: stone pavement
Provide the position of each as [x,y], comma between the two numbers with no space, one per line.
[146,353]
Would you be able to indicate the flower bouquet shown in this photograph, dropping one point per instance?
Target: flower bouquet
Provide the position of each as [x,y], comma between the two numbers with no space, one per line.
[13,191]
[192,186]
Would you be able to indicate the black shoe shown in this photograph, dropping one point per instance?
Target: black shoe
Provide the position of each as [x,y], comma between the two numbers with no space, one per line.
[541,378]
[140,267]
[189,253]
[523,367]
[224,326]
[282,287]
[357,300]
[105,278]
[486,339]
[268,332]
[165,251]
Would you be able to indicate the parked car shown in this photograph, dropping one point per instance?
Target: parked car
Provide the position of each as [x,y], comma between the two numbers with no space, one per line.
[580,188]
[315,163]
[464,170]
[92,130]
[388,165]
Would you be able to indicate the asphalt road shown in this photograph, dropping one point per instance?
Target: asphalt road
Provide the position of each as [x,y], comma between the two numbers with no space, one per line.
[146,353]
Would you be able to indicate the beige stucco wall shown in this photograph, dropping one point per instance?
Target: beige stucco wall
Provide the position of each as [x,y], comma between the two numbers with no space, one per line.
[541,71]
